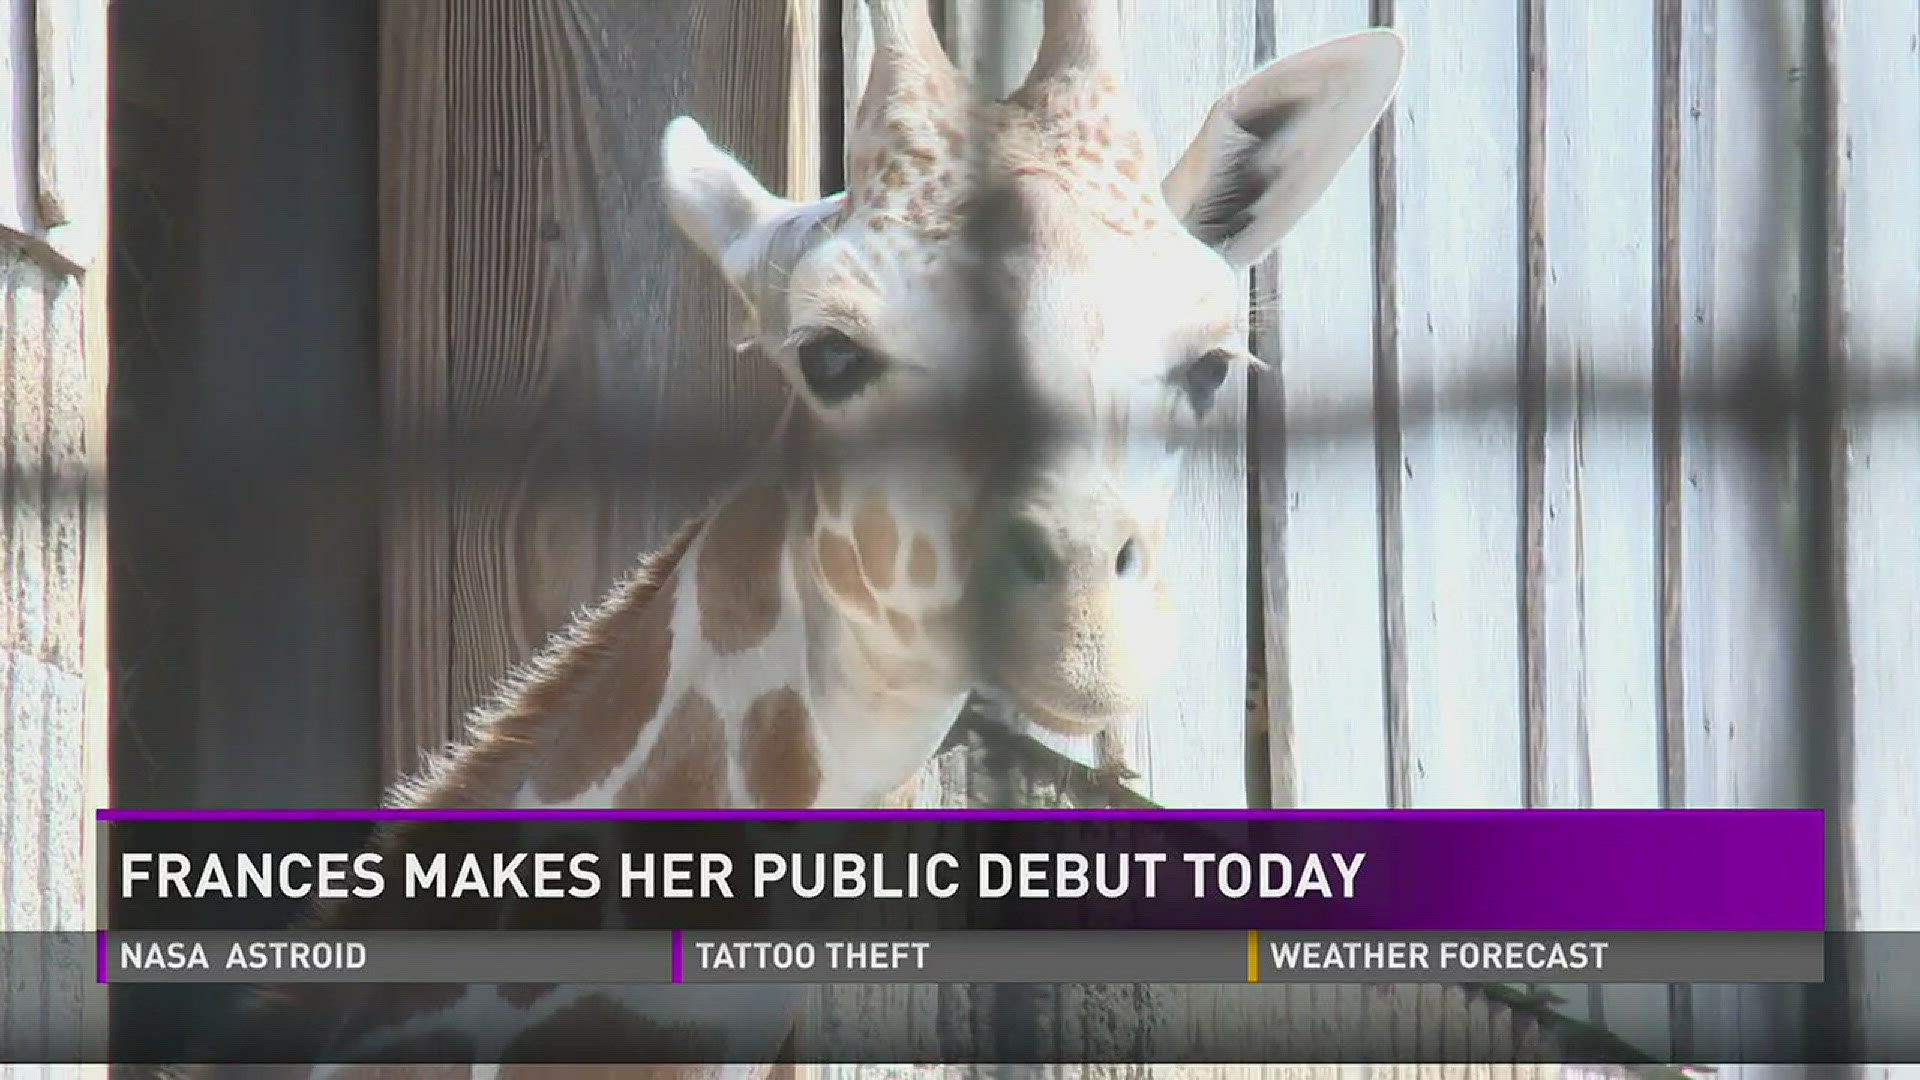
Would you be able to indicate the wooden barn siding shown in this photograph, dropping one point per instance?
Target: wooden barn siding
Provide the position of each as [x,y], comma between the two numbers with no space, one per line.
[1592,236]
[52,521]
[1874,267]
[533,290]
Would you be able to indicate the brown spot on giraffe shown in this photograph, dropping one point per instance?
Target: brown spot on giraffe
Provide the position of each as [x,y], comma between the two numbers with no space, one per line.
[585,749]
[739,572]
[600,1026]
[686,769]
[840,568]
[878,540]
[782,765]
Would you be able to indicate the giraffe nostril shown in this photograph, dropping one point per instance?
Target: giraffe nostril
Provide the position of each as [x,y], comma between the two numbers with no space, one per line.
[1031,553]
[1128,559]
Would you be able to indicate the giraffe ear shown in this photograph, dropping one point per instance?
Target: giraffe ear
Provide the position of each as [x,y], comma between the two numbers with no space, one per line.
[1273,143]
[711,197]
[753,236]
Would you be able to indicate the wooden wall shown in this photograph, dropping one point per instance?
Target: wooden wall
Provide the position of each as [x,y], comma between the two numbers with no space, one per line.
[53,352]
[1577,474]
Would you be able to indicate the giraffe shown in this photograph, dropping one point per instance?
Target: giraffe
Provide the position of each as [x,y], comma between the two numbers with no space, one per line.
[1002,339]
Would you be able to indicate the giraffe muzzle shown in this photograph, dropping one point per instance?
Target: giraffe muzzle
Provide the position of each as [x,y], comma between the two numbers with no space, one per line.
[1075,630]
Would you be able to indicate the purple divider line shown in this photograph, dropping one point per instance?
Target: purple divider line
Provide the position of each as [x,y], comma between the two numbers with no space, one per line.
[583,814]
[100,955]
[679,957]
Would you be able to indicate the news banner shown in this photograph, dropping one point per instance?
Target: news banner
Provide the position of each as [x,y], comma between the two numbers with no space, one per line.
[963,897]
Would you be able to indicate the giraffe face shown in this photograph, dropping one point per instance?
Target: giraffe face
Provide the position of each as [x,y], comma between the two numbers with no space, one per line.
[1013,325]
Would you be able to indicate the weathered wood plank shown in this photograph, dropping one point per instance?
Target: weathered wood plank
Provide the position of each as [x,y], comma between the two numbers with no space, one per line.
[1601,659]
[1319,480]
[1598,710]
[1877,58]
[1740,212]
[518,194]
[1741,274]
[1390,471]
[1457,129]
[416,612]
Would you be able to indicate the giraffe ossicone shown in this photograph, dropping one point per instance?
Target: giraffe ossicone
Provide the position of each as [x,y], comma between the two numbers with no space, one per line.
[1002,339]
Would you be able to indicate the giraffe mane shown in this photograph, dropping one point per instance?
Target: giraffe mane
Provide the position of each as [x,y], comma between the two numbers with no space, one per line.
[478,768]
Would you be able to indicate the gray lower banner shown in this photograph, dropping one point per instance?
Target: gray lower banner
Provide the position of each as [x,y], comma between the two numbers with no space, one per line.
[1085,956]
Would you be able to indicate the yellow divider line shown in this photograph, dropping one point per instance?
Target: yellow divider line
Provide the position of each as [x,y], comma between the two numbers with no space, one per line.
[1253,956]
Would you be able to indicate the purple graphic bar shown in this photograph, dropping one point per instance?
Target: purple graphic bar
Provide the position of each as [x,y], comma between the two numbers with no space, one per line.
[679,956]
[1439,870]
[1644,817]
[100,956]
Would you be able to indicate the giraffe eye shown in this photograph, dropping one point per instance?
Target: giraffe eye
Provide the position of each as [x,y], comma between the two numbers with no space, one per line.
[836,367]
[1202,378]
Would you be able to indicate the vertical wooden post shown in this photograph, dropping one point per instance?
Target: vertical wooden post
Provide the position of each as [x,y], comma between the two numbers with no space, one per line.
[1874,337]
[415,608]
[1319,480]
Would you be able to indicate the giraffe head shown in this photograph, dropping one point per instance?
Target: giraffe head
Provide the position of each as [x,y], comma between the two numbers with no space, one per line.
[1011,328]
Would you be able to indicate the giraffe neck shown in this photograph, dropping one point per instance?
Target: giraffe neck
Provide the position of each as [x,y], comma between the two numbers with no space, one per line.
[793,648]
